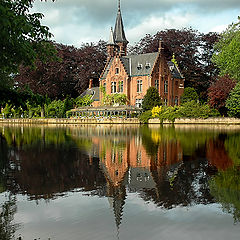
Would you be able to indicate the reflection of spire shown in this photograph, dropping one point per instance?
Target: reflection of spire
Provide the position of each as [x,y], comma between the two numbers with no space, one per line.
[118,204]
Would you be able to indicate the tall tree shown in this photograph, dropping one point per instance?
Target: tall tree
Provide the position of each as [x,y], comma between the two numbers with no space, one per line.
[69,75]
[227,56]
[219,91]
[23,38]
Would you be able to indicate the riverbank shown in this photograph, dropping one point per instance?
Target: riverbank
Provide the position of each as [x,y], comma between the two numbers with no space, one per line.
[49,121]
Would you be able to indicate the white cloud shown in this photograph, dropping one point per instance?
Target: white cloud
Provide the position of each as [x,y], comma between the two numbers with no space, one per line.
[153,24]
[75,22]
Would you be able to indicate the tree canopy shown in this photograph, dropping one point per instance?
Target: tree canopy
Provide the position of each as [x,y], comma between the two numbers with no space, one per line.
[227,55]
[151,99]
[69,75]
[219,91]
[189,94]
[233,102]
[23,37]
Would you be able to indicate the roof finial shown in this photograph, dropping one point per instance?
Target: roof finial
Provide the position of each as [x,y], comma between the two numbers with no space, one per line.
[119,5]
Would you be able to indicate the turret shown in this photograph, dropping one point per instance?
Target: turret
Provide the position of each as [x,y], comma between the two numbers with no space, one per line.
[111,45]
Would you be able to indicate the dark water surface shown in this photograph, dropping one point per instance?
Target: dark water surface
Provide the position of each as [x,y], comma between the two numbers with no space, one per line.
[119,182]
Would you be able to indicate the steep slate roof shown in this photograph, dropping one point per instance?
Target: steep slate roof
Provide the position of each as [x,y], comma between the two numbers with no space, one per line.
[146,61]
[111,38]
[132,63]
[174,70]
[119,34]
[94,92]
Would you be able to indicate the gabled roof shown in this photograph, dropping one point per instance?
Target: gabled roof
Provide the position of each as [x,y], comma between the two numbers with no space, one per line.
[94,92]
[140,65]
[174,70]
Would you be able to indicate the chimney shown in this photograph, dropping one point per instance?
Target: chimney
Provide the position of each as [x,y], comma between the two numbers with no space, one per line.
[90,83]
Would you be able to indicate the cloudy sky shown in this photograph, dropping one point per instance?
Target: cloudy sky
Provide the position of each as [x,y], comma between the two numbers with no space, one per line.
[74,22]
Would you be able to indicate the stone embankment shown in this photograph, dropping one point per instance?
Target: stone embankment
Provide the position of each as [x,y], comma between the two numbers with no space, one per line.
[49,121]
[226,121]
[212,121]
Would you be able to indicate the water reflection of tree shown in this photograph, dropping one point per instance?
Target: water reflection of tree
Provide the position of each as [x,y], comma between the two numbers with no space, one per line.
[47,163]
[225,187]
[7,211]
[188,186]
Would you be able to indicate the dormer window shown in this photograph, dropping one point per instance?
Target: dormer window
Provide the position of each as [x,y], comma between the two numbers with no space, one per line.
[171,68]
[148,65]
[139,67]
[116,71]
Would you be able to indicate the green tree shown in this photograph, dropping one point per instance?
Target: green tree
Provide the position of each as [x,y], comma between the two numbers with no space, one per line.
[151,99]
[233,102]
[227,55]
[23,38]
[189,94]
[83,101]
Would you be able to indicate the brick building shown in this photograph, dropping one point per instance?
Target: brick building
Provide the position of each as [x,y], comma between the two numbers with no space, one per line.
[134,74]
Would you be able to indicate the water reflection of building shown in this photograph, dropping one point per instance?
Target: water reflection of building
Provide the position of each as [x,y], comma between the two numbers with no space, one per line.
[127,164]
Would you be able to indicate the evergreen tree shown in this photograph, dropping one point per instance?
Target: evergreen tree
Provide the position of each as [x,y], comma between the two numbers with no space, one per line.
[151,99]
[233,102]
[189,94]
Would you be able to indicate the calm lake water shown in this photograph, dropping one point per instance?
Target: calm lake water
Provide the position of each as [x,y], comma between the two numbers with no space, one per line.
[120,182]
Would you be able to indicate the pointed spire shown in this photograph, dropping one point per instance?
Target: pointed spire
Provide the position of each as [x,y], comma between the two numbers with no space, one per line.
[119,34]
[119,6]
[111,38]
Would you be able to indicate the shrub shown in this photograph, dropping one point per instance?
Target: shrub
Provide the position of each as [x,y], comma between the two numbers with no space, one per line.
[189,94]
[83,101]
[233,102]
[145,116]
[55,109]
[120,99]
[156,111]
[170,113]
[195,110]
[151,99]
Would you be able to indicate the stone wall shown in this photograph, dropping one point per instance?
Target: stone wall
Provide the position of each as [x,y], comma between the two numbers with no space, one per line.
[71,121]
[228,121]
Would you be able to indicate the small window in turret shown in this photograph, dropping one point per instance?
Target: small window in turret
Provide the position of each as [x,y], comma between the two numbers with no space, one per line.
[116,71]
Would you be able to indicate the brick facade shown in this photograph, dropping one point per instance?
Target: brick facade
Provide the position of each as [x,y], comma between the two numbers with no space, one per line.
[134,74]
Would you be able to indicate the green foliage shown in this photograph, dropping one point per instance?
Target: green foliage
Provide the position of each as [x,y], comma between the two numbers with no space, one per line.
[190,109]
[232,147]
[84,101]
[23,38]
[116,99]
[193,109]
[151,99]
[227,55]
[145,116]
[189,94]
[225,187]
[55,109]
[233,102]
